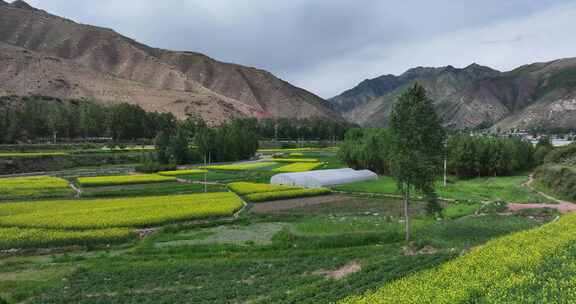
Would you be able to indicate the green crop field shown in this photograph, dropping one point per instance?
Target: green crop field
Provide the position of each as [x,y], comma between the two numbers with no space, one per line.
[508,189]
[100,181]
[34,187]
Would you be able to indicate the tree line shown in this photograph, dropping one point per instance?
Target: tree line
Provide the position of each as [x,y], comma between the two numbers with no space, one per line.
[193,141]
[467,156]
[299,129]
[26,119]
[476,156]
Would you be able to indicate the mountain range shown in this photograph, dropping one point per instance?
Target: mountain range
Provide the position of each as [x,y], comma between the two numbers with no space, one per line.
[43,54]
[539,95]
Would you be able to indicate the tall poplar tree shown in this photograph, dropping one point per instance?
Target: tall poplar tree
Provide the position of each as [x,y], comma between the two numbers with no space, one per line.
[417,146]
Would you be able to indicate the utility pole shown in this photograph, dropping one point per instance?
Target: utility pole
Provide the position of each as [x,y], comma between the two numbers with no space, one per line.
[276,132]
[205,173]
[446,163]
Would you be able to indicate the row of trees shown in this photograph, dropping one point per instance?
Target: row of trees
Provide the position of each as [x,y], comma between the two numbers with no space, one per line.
[367,149]
[23,119]
[473,156]
[295,129]
[229,142]
[467,156]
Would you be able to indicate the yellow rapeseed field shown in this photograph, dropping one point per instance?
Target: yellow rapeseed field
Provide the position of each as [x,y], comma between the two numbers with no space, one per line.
[241,167]
[100,181]
[182,172]
[33,187]
[122,212]
[491,272]
[297,167]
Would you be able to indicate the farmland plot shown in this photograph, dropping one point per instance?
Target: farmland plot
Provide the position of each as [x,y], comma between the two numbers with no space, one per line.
[34,187]
[264,192]
[100,181]
[111,213]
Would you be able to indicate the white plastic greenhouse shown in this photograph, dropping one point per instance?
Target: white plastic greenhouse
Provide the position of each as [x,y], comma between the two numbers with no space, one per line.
[323,178]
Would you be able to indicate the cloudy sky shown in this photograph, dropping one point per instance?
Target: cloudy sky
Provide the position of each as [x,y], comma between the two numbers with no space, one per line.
[328,46]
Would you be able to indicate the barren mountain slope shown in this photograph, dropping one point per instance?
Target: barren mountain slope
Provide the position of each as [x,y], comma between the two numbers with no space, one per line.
[532,96]
[23,72]
[106,51]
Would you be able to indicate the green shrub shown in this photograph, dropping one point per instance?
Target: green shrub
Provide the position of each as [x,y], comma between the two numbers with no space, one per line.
[494,207]
[562,154]
[154,167]
[559,179]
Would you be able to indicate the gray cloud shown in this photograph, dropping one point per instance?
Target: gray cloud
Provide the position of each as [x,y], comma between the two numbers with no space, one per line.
[328,46]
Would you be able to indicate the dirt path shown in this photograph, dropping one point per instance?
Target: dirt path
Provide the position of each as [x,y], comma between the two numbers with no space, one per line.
[76,189]
[561,206]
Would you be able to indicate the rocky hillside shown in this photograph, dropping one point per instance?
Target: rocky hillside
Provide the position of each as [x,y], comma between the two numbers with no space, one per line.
[540,95]
[50,55]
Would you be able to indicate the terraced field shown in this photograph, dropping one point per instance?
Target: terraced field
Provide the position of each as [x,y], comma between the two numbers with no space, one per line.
[265,192]
[34,187]
[100,181]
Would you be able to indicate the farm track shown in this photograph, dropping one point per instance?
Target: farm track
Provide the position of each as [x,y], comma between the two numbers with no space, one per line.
[561,205]
[76,189]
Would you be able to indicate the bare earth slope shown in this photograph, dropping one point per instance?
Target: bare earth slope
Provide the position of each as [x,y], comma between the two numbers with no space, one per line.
[195,77]
[541,95]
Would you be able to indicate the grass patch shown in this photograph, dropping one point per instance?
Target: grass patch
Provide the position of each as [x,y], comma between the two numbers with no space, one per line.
[508,189]
[456,210]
